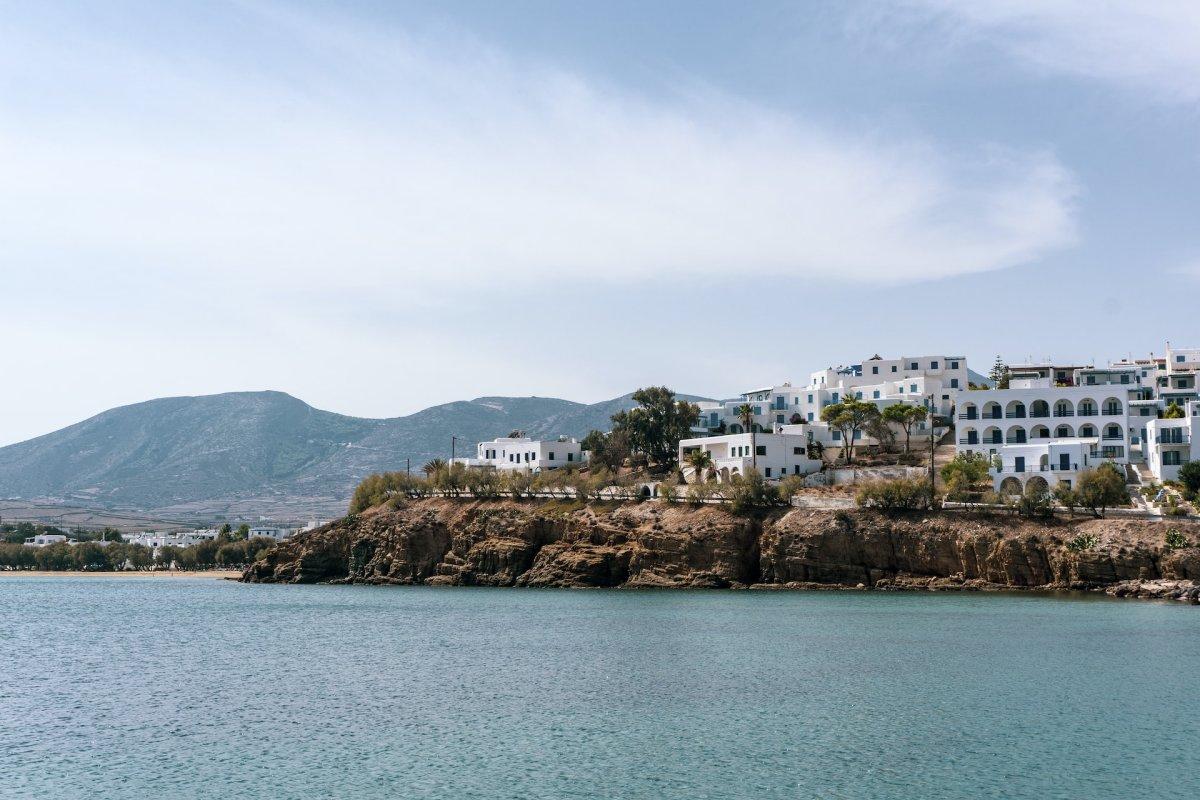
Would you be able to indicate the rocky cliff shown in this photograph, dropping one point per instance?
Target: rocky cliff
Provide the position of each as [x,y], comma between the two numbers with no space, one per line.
[504,543]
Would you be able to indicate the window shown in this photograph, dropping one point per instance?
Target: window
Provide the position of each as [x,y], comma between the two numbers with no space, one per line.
[857,435]
[875,395]
[858,395]
[760,450]
[913,365]
[796,467]
[1178,359]
[570,456]
[779,418]
[933,365]
[796,451]
[1124,379]
[810,416]
[954,383]
[810,398]
[893,367]
[1170,458]
[837,436]
[912,387]
[874,370]
[835,397]
[550,456]
[768,472]
[953,365]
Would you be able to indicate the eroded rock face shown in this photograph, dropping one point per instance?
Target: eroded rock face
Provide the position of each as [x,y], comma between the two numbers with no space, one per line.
[504,543]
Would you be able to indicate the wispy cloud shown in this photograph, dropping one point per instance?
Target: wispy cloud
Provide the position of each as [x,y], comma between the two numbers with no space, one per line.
[1146,45]
[319,151]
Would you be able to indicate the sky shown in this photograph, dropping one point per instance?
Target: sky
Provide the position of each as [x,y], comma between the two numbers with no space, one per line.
[381,206]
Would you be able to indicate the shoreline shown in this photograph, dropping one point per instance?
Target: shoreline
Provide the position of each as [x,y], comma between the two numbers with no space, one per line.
[161,574]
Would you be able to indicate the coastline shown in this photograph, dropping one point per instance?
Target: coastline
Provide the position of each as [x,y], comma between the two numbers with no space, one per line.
[161,574]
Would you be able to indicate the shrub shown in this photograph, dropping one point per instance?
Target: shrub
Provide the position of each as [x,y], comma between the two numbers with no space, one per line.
[1067,497]
[966,470]
[1101,488]
[698,493]
[1084,541]
[1035,502]
[901,494]
[789,486]
[668,491]
[1175,540]
[753,494]
[1189,476]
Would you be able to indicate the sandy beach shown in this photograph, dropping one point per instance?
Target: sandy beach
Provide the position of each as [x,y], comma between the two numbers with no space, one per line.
[150,575]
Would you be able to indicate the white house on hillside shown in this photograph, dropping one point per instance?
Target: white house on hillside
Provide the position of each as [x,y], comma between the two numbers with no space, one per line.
[524,453]
[774,455]
[1171,443]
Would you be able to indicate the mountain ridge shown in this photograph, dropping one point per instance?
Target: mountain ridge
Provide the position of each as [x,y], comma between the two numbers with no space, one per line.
[205,451]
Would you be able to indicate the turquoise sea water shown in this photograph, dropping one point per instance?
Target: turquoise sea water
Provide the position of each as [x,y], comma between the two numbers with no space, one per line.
[127,688]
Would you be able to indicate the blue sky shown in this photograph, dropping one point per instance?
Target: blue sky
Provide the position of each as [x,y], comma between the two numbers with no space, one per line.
[382,206]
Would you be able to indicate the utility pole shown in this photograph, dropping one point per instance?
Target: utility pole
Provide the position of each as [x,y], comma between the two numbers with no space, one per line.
[453,444]
[408,466]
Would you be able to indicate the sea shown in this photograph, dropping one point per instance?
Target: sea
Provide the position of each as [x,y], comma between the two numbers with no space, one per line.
[203,688]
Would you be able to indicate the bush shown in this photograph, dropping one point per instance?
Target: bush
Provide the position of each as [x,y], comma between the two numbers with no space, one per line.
[698,493]
[1101,488]
[753,494]
[790,485]
[902,494]
[1084,541]
[1176,540]
[966,470]
[1035,503]
[1189,476]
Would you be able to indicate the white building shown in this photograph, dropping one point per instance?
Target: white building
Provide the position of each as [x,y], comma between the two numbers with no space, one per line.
[524,453]
[1171,443]
[774,455]
[45,540]
[156,539]
[932,381]
[270,532]
[1046,427]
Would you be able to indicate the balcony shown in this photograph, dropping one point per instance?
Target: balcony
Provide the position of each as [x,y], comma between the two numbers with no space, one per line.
[968,441]
[1088,412]
[1015,415]
[1039,414]
[1015,440]
[1182,437]
[1061,468]
[968,415]
[1064,412]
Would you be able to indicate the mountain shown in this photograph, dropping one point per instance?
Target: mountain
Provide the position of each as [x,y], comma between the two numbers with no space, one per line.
[253,450]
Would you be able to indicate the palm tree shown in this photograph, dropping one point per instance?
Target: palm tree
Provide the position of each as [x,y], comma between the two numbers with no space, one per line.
[699,461]
[433,466]
[746,412]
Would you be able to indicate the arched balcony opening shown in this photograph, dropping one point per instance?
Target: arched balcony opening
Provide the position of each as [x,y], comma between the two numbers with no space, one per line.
[1087,408]
[1087,431]
[1039,432]
[1064,432]
[1113,432]
[1039,409]
[992,410]
[993,436]
[1113,407]
[1015,435]
[1063,408]
[1015,410]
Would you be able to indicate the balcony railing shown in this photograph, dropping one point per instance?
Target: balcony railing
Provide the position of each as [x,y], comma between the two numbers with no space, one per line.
[1064,412]
[1088,412]
[1015,440]
[1015,415]
[1039,414]
[968,441]
[1183,438]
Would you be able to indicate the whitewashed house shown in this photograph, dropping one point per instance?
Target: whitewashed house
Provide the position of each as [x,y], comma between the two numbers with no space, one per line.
[1171,443]
[45,540]
[524,453]
[274,532]
[774,455]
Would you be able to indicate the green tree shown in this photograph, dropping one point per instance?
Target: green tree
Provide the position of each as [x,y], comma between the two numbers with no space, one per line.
[906,415]
[433,466]
[745,413]
[1189,476]
[1173,411]
[607,449]
[1100,488]
[999,374]
[243,531]
[700,461]
[964,473]
[848,418]
[657,424]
